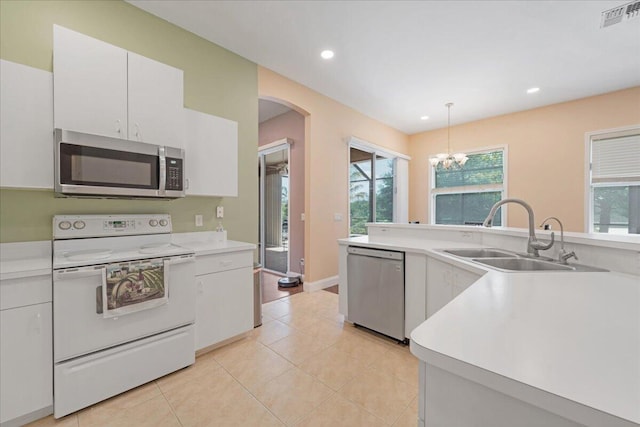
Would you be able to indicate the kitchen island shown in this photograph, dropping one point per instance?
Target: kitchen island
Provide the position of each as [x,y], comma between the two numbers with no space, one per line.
[526,349]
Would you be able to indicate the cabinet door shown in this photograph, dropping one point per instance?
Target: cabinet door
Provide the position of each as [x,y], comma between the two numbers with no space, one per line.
[155,102]
[438,285]
[462,279]
[26,364]
[211,151]
[224,306]
[26,126]
[415,288]
[90,84]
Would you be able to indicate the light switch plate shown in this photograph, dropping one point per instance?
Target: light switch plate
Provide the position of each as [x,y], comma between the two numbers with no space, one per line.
[220,212]
[198,220]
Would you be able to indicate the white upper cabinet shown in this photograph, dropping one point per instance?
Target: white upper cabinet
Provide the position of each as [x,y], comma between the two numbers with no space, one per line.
[155,102]
[90,84]
[105,90]
[26,126]
[211,152]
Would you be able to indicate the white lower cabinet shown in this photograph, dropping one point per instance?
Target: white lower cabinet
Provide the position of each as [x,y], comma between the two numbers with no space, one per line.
[445,282]
[26,377]
[224,297]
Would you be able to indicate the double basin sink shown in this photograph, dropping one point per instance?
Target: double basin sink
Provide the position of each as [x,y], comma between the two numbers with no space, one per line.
[509,261]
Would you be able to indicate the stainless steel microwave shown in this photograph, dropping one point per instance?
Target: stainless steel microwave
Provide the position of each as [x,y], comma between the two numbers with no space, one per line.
[100,166]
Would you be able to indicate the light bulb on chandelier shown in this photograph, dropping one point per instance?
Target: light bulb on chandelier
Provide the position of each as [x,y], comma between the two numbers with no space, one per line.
[449,160]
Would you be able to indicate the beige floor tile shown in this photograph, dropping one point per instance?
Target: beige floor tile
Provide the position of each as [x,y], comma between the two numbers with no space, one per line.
[401,363]
[409,417]
[254,368]
[333,367]
[196,402]
[276,309]
[204,365]
[330,312]
[68,421]
[271,331]
[299,298]
[340,412]
[292,395]
[384,395]
[298,347]
[300,320]
[237,350]
[354,344]
[126,402]
[152,413]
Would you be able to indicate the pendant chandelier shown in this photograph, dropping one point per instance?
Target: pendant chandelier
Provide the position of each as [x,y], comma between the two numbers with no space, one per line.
[449,160]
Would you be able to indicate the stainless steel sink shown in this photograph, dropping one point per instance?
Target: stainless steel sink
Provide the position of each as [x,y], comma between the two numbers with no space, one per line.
[523,264]
[511,261]
[480,253]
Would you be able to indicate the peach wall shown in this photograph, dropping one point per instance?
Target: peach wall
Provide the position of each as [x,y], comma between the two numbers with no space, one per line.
[290,125]
[328,124]
[546,153]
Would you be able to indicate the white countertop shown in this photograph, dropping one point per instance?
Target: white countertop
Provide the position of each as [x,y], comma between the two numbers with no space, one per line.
[25,259]
[205,243]
[567,334]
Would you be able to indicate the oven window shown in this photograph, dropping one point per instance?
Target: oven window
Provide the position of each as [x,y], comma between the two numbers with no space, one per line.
[107,168]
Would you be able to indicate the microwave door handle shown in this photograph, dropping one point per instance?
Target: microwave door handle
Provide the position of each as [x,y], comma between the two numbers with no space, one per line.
[163,171]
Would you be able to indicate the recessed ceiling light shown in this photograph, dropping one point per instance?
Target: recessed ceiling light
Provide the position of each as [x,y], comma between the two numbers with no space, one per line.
[424,118]
[533,90]
[326,54]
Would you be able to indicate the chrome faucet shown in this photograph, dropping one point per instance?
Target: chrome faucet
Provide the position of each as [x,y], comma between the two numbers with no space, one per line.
[533,245]
[564,255]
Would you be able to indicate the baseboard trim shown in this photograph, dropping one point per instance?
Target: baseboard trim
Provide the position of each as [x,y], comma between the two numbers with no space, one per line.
[320,284]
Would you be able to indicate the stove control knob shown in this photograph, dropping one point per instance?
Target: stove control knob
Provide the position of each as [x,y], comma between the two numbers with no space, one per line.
[79,225]
[153,222]
[64,225]
[163,222]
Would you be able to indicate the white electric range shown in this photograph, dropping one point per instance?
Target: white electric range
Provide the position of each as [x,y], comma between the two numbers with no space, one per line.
[123,306]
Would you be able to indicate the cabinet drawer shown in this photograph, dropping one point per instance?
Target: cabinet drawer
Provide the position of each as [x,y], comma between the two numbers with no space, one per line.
[25,291]
[222,262]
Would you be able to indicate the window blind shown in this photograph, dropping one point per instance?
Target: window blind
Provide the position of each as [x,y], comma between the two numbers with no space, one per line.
[616,159]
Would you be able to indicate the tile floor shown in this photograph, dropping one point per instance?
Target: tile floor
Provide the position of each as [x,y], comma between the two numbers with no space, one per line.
[303,367]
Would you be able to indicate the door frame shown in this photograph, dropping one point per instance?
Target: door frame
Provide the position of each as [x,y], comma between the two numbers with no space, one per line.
[272,147]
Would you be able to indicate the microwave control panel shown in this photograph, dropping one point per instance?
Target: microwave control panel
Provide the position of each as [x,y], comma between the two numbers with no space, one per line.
[174,174]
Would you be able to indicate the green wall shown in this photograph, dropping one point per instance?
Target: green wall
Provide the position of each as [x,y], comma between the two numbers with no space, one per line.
[216,82]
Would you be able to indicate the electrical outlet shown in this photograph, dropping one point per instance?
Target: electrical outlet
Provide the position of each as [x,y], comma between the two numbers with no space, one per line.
[302,216]
[220,212]
[337,217]
[198,220]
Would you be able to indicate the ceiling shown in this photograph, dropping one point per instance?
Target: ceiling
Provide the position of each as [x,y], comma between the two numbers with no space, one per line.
[396,61]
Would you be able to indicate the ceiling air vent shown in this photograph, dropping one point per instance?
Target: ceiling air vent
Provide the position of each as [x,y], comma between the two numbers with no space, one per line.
[621,13]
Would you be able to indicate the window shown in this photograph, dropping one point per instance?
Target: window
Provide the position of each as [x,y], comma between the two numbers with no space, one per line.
[465,195]
[614,182]
[371,189]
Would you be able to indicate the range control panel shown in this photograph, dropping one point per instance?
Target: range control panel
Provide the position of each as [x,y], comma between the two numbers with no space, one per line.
[81,226]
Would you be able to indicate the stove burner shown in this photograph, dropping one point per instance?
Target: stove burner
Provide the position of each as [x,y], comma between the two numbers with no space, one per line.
[88,255]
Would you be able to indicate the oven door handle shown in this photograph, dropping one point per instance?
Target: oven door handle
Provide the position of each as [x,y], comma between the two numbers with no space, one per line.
[78,273]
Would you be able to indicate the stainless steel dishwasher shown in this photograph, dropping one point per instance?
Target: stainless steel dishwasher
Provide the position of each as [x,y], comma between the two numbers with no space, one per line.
[375,295]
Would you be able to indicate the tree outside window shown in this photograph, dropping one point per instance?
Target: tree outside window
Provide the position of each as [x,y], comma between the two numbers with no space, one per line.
[371,186]
[465,195]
